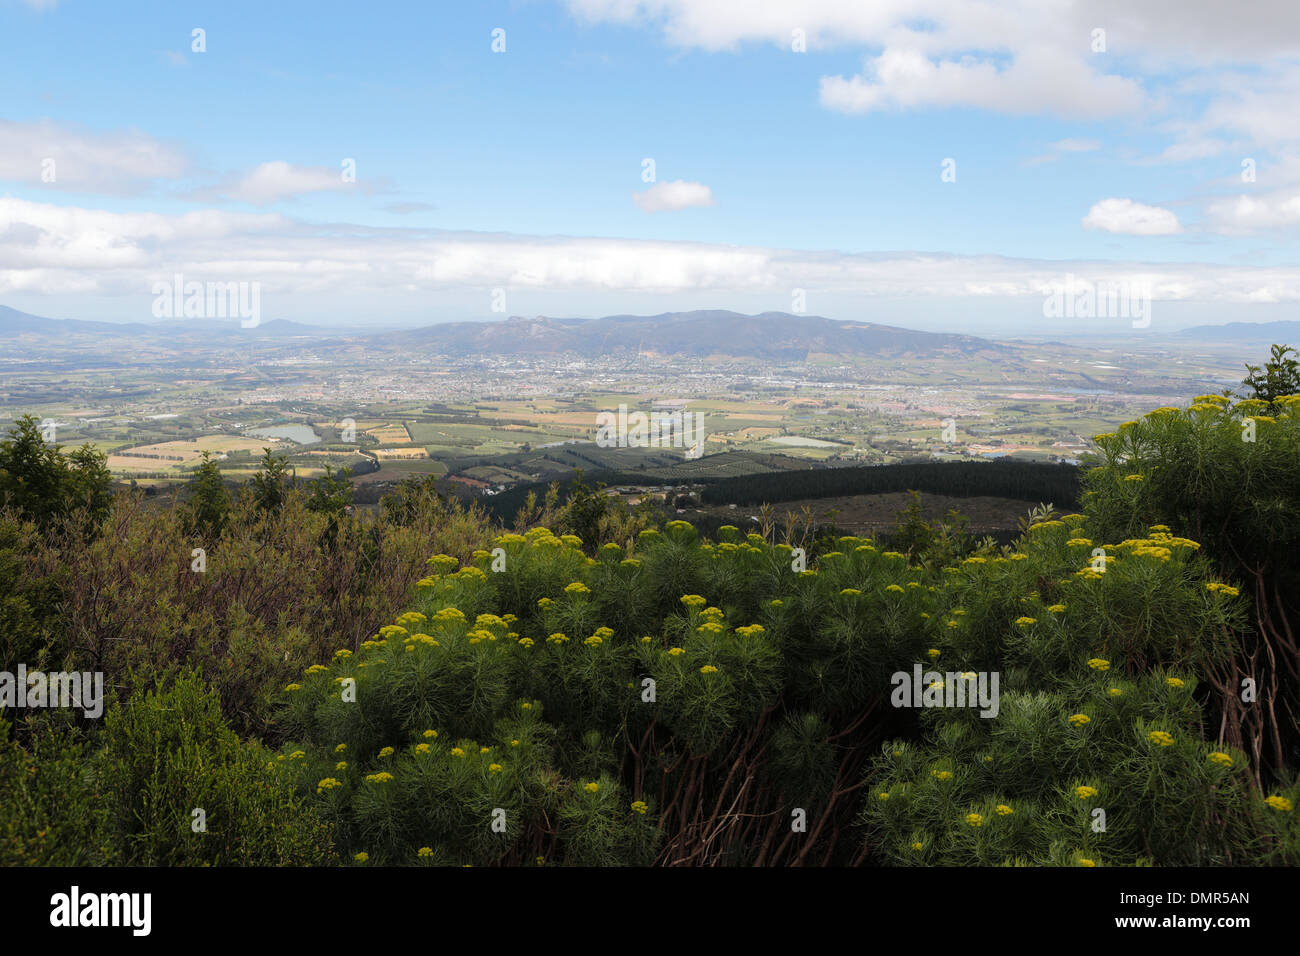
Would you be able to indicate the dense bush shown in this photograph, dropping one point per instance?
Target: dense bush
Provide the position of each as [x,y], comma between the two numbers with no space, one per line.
[524,690]
[128,794]
[277,590]
[1227,475]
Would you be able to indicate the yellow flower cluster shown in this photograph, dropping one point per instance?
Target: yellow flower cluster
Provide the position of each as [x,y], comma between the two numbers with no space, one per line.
[1056,608]
[1099,664]
[1217,587]
[1281,804]
[1078,720]
[1161,738]
[329,783]
[382,777]
[1173,681]
[708,669]
[577,587]
[1222,759]
[640,806]
[974,819]
[591,787]
[424,851]
[1083,793]
[751,630]
[942,774]
[1004,810]
[1153,551]
[1026,621]
[443,563]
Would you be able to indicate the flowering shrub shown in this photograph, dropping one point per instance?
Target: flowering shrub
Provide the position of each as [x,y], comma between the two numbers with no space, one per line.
[691,701]
[1224,474]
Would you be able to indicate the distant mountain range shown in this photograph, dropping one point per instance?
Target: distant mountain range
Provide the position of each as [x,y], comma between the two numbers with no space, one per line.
[15,324]
[1281,333]
[771,335]
[777,336]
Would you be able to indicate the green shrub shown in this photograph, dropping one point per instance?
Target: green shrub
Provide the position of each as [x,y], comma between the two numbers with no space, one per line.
[169,753]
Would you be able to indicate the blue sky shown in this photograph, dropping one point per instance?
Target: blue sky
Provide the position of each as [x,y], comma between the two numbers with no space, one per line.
[774,169]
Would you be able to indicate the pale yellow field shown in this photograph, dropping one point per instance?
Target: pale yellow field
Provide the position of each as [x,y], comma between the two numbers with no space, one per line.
[181,452]
[390,433]
[386,454]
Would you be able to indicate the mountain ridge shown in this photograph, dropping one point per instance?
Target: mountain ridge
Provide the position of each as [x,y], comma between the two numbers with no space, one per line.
[698,333]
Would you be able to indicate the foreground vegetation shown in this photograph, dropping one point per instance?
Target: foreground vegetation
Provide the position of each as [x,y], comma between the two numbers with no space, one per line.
[599,686]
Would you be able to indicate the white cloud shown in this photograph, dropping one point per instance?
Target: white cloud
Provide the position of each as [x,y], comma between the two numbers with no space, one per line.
[274,181]
[1131,218]
[672,196]
[1036,82]
[1246,214]
[58,156]
[1206,31]
[52,250]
